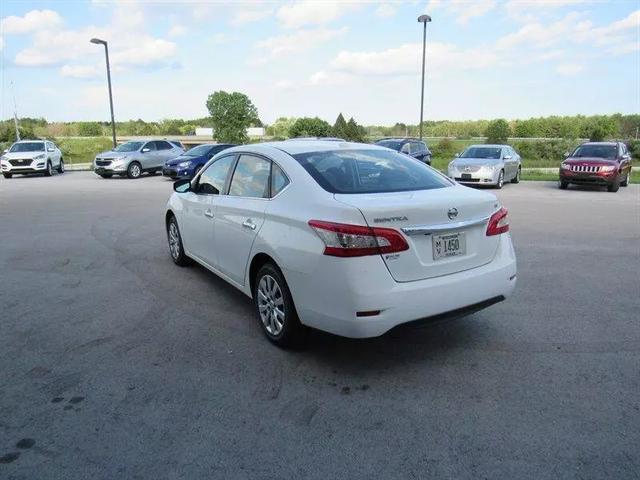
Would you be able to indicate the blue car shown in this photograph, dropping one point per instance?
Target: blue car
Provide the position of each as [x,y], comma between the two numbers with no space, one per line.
[191,161]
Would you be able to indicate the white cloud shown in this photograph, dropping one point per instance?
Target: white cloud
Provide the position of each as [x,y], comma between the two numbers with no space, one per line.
[463,10]
[80,71]
[569,69]
[531,10]
[331,78]
[220,38]
[385,10]
[299,41]
[1,43]
[30,22]
[177,30]
[538,35]
[406,60]
[243,15]
[313,12]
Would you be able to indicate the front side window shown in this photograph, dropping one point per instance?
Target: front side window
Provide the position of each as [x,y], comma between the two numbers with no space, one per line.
[251,177]
[278,180]
[151,146]
[369,171]
[27,147]
[213,179]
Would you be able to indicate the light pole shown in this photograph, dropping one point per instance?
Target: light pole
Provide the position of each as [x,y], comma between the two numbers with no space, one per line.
[424,19]
[97,41]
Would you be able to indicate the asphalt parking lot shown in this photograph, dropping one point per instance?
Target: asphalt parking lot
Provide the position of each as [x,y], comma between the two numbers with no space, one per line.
[118,364]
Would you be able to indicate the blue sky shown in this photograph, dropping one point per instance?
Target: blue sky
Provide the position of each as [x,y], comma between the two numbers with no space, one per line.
[485,58]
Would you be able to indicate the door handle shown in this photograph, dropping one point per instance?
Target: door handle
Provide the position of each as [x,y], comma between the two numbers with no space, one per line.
[249,224]
[208,213]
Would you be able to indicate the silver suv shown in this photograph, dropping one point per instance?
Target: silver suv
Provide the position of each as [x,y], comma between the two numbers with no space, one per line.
[135,157]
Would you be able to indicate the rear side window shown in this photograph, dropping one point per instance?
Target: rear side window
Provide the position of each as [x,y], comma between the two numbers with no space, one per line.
[369,171]
[213,179]
[278,180]
[251,177]
[160,145]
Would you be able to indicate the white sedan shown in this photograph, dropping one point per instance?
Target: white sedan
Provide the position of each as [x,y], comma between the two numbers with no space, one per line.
[349,238]
[31,156]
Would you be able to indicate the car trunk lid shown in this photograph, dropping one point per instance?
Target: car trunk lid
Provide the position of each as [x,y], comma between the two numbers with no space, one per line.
[427,217]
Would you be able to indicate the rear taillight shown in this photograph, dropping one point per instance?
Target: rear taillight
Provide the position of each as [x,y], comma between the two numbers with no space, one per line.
[498,223]
[342,240]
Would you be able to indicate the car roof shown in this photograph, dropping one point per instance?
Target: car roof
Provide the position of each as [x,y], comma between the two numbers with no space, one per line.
[399,139]
[612,144]
[489,145]
[30,141]
[294,147]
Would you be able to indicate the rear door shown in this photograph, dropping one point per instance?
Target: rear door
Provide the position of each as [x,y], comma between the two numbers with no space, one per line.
[164,151]
[240,214]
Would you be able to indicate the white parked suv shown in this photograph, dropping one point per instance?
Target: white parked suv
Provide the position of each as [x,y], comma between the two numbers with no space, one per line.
[349,238]
[31,156]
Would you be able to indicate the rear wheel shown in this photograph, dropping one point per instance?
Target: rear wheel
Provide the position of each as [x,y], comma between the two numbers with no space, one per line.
[500,180]
[49,170]
[7,175]
[275,308]
[175,243]
[516,179]
[134,170]
[61,166]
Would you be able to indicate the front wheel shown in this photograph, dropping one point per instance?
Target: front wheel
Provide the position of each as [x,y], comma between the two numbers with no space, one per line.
[500,180]
[562,185]
[275,308]
[613,187]
[516,179]
[61,166]
[175,243]
[134,170]
[49,171]
[625,182]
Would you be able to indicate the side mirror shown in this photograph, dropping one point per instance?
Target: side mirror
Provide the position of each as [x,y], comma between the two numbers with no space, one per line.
[566,154]
[182,186]
[6,150]
[145,150]
[457,155]
[507,157]
[51,149]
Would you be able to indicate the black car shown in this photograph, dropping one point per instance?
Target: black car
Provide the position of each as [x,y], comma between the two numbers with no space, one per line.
[411,146]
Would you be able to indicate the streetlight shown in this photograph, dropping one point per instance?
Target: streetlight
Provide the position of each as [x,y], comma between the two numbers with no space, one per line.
[97,41]
[424,19]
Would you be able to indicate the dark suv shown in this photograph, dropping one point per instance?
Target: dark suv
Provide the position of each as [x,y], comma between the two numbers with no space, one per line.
[597,163]
[411,146]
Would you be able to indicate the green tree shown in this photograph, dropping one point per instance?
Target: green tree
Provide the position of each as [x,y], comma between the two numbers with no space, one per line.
[231,115]
[89,129]
[280,128]
[340,127]
[354,132]
[498,131]
[310,127]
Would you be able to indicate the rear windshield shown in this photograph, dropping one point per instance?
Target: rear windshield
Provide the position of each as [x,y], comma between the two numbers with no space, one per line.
[27,147]
[369,171]
[597,151]
[481,152]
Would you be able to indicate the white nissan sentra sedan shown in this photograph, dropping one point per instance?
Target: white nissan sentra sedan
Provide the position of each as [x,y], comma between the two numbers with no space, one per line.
[349,238]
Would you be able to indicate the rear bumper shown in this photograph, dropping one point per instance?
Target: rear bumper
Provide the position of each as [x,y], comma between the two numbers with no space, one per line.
[328,299]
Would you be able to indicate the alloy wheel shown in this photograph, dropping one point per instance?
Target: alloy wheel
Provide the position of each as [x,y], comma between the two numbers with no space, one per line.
[174,240]
[271,305]
[135,170]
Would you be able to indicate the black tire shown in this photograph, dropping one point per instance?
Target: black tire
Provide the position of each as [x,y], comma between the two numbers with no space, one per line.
[625,182]
[134,170]
[49,171]
[563,185]
[516,179]
[61,166]
[500,183]
[7,175]
[175,249]
[106,175]
[613,187]
[292,333]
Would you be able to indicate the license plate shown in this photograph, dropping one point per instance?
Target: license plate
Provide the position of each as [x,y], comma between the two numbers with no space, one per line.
[466,176]
[448,245]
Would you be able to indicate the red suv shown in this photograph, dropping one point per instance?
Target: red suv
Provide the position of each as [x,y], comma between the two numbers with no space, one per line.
[597,163]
